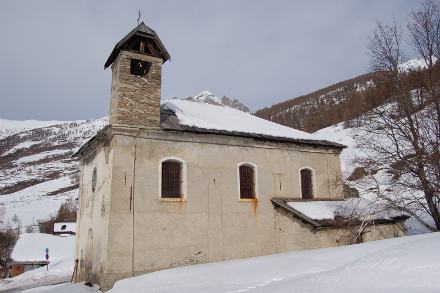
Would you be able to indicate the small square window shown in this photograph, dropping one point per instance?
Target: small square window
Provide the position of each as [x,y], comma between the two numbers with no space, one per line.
[139,67]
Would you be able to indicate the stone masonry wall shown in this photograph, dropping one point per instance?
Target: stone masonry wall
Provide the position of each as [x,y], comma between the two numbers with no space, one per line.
[135,100]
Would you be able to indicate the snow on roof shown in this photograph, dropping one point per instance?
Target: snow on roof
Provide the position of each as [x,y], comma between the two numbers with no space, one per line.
[64,227]
[213,117]
[32,247]
[350,208]
[317,210]
[203,117]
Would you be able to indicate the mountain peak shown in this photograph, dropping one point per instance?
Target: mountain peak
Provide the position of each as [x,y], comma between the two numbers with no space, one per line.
[210,98]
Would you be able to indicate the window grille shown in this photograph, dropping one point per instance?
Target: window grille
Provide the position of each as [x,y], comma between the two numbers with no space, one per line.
[247,182]
[306,184]
[171,179]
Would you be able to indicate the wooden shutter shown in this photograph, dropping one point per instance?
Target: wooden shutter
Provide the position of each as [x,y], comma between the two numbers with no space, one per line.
[306,184]
[171,179]
[246,182]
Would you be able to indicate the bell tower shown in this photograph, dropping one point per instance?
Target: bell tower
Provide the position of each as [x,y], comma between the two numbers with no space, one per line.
[136,63]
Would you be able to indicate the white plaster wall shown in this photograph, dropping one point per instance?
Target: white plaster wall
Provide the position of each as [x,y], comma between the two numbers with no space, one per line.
[93,214]
[379,232]
[293,234]
[211,224]
[134,231]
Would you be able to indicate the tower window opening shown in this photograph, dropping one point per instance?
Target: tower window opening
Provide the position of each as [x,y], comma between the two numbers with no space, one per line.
[139,67]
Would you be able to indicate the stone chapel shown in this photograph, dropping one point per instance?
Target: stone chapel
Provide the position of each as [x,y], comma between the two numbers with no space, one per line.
[178,183]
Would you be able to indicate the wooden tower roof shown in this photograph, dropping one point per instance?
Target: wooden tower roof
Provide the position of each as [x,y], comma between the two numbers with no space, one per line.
[152,45]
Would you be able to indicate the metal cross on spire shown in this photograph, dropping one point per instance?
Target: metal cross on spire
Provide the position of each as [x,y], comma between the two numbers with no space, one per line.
[139,17]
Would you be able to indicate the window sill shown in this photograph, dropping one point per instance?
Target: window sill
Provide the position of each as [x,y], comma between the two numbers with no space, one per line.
[248,199]
[179,199]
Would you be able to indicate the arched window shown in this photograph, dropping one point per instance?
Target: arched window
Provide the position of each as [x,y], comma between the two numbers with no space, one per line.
[306,175]
[247,181]
[172,178]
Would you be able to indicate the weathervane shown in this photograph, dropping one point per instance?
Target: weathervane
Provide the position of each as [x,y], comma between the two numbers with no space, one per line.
[139,17]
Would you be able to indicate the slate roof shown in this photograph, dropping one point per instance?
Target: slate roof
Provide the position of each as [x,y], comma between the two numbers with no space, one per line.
[170,121]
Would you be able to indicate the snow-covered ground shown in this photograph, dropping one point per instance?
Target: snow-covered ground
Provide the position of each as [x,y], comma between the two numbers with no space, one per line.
[32,247]
[400,265]
[66,288]
[407,264]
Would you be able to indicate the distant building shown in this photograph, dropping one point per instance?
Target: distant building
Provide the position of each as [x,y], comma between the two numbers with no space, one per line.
[61,228]
[181,183]
[20,267]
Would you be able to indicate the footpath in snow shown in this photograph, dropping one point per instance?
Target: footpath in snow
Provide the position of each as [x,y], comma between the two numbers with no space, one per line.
[404,265]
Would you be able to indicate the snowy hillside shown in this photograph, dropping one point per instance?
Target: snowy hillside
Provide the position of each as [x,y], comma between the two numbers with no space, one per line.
[339,102]
[346,136]
[10,127]
[352,137]
[414,64]
[323,107]
[37,173]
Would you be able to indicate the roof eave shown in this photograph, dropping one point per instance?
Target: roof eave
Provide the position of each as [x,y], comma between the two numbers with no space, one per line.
[282,203]
[92,140]
[315,143]
[136,31]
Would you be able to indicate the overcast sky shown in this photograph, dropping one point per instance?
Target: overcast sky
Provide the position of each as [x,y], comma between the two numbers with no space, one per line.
[52,53]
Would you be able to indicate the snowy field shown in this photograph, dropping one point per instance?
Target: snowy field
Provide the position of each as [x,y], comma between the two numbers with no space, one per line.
[405,265]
